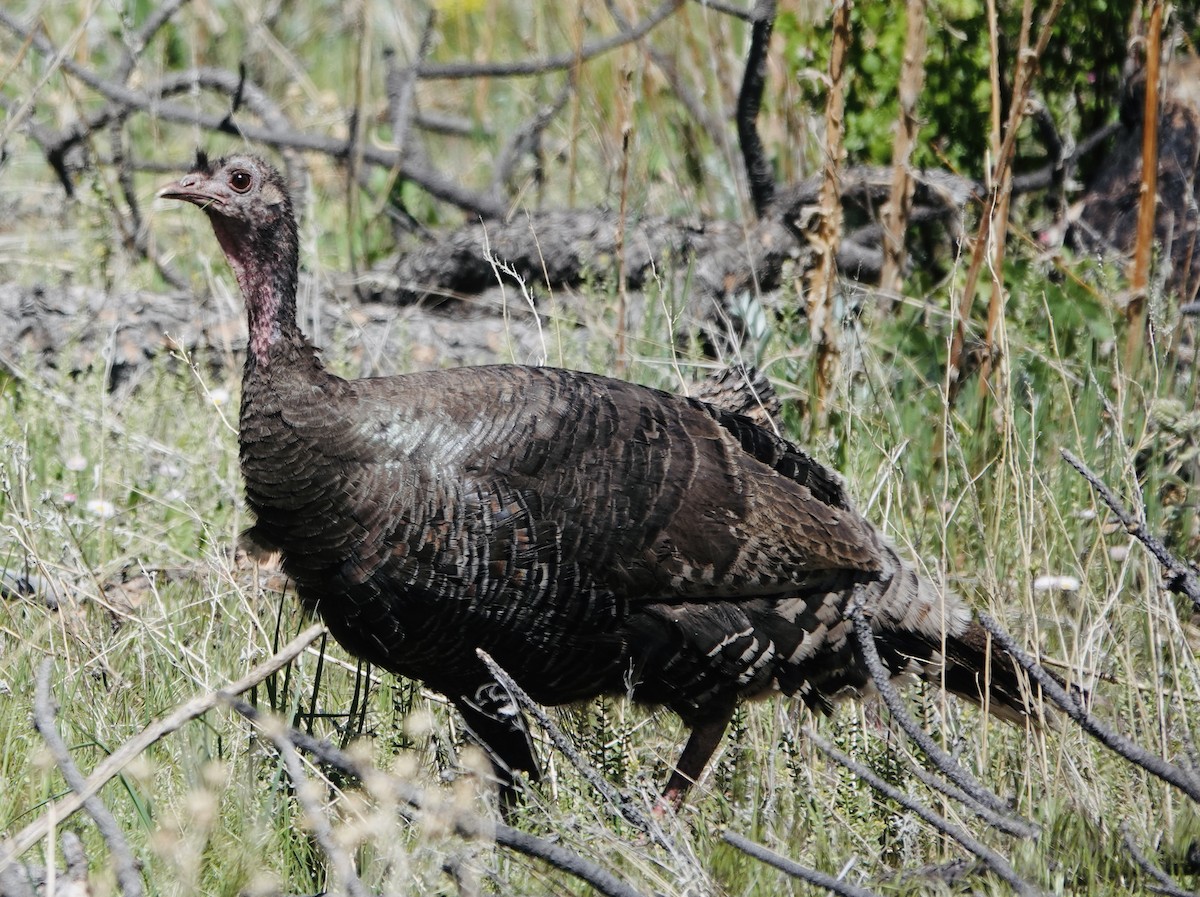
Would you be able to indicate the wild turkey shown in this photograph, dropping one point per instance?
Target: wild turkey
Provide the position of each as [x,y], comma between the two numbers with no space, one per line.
[593,536]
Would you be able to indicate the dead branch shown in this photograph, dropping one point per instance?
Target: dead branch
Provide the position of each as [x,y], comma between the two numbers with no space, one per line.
[141,38]
[527,140]
[400,85]
[1164,884]
[129,877]
[713,125]
[561,62]
[794,869]
[1182,779]
[466,825]
[30,879]
[126,99]
[758,168]
[953,792]
[994,861]
[345,874]
[1060,170]
[746,15]
[112,765]
[1181,578]
[945,764]
[622,803]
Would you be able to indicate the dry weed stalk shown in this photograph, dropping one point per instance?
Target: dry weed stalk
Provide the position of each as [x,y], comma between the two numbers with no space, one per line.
[1135,313]
[992,226]
[821,288]
[899,205]
[115,762]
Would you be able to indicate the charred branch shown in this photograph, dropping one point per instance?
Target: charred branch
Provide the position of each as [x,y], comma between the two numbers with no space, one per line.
[758,168]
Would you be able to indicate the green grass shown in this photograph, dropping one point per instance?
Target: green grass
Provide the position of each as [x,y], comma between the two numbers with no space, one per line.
[129,502]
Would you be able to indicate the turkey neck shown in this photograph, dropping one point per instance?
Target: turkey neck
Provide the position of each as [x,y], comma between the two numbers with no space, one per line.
[265,262]
[282,379]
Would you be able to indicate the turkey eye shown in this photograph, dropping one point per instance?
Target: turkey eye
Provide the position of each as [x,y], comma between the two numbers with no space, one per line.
[240,181]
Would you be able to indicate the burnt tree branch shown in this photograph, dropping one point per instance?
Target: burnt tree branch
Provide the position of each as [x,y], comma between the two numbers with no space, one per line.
[1182,779]
[758,168]
[129,878]
[557,63]
[464,824]
[1181,578]
[994,861]
[946,764]
[114,763]
[794,869]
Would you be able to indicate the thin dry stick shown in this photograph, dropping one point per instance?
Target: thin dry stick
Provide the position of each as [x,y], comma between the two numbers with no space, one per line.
[899,205]
[1002,188]
[1026,66]
[946,764]
[345,875]
[433,182]
[400,85]
[1003,823]
[44,710]
[131,749]
[794,869]
[1117,743]
[822,278]
[1165,884]
[1181,579]
[464,70]
[999,210]
[465,825]
[997,863]
[613,795]
[1135,313]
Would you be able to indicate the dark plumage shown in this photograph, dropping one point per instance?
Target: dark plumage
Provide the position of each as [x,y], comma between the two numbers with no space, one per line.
[593,536]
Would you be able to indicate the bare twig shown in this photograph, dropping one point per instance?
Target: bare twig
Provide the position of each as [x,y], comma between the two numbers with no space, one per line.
[1164,883]
[1181,578]
[400,85]
[712,124]
[345,875]
[527,139]
[622,803]
[794,869]
[758,168]
[946,764]
[436,184]
[466,825]
[1182,779]
[1058,170]
[131,749]
[462,70]
[140,39]
[995,861]
[746,15]
[1002,822]
[31,879]
[129,879]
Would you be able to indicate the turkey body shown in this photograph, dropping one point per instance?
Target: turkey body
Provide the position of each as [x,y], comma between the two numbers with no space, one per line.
[593,536]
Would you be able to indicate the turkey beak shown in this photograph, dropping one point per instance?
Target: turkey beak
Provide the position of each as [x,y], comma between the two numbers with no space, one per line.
[193,188]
